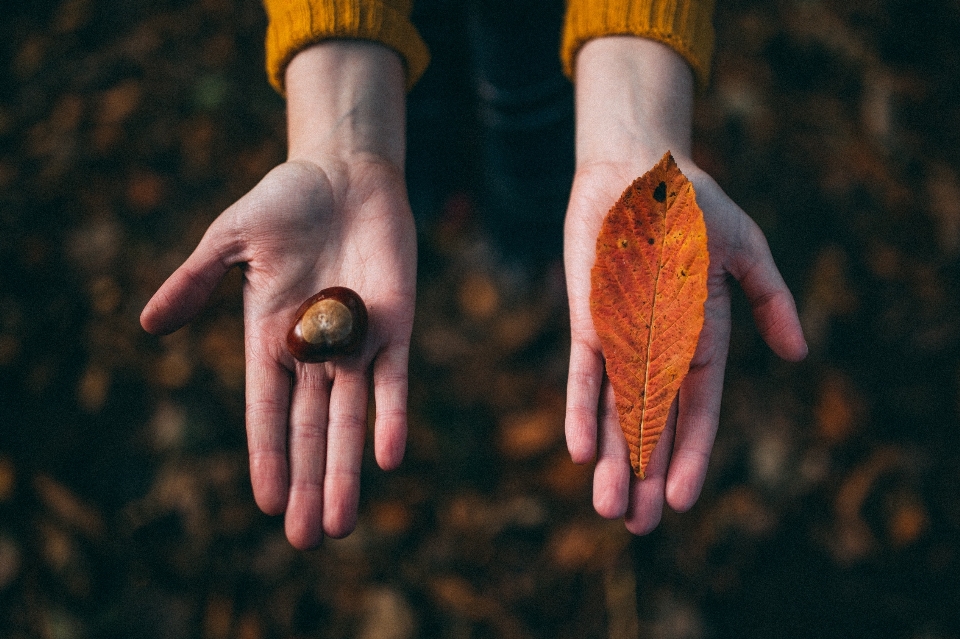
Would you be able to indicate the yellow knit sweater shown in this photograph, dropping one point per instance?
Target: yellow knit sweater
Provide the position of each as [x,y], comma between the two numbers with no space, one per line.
[684,25]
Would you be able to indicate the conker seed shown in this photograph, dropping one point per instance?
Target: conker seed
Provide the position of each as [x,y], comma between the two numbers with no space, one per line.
[330,324]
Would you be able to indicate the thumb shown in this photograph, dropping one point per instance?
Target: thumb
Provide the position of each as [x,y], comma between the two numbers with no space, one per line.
[188,289]
[774,309]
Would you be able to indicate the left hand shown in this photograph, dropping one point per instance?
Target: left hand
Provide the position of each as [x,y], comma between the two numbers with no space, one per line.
[634,99]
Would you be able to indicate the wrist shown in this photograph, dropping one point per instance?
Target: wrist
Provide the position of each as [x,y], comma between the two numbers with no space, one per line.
[634,100]
[346,100]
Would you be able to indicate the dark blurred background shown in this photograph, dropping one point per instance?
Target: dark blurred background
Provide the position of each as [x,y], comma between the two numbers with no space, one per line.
[831,508]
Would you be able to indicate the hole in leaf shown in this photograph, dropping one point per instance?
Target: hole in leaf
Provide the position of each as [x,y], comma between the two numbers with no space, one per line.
[660,193]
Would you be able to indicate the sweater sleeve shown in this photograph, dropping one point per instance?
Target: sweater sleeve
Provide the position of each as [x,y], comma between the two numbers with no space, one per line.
[296,24]
[684,25]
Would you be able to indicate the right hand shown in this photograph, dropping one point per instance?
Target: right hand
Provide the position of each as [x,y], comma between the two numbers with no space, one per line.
[336,213]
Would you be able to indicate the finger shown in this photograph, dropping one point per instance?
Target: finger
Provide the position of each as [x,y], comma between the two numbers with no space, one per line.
[646,495]
[345,435]
[774,309]
[187,290]
[611,476]
[583,398]
[268,403]
[390,396]
[308,453]
[699,409]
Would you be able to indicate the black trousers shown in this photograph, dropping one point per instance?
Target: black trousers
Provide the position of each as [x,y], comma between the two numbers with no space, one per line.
[492,118]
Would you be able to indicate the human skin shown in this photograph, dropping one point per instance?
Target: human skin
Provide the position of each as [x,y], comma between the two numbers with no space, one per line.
[634,100]
[335,213]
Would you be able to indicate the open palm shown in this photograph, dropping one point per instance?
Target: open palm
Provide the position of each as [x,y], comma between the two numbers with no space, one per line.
[301,229]
[679,463]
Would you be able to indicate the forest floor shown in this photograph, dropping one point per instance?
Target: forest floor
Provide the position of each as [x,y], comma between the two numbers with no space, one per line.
[832,506]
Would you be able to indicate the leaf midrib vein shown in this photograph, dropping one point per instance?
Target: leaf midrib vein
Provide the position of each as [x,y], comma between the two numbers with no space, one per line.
[653,312]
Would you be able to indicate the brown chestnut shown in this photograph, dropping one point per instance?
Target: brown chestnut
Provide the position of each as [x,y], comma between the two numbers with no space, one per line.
[330,324]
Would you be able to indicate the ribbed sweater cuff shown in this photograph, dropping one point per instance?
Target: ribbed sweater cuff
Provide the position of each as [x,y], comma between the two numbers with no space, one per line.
[297,24]
[684,25]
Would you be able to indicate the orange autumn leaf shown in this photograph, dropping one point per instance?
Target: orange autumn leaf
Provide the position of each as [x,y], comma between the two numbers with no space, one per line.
[648,288]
